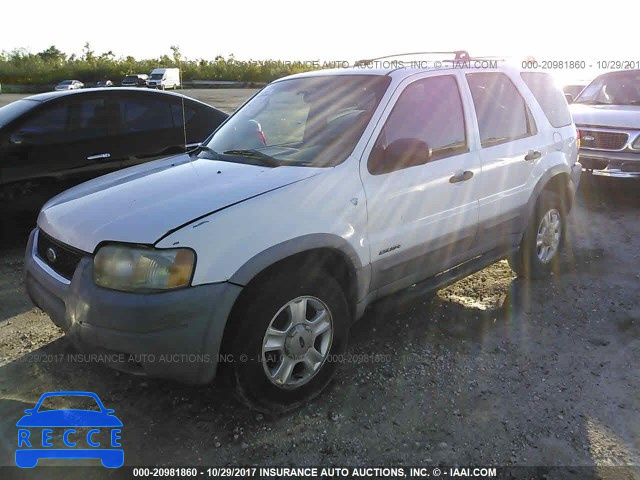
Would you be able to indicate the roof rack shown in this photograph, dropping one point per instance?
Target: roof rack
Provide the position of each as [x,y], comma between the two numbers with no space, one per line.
[459,55]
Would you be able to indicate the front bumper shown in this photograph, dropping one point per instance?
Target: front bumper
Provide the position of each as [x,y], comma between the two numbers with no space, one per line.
[174,334]
[576,172]
[611,164]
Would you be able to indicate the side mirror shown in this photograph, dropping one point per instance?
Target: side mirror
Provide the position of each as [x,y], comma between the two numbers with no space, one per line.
[399,154]
[569,98]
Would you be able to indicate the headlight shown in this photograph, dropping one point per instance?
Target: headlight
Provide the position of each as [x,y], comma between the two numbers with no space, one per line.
[636,144]
[133,269]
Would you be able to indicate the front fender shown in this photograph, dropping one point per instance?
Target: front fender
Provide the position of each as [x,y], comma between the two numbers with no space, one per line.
[234,244]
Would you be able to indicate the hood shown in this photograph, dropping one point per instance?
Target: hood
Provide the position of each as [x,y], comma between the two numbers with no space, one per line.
[143,203]
[616,116]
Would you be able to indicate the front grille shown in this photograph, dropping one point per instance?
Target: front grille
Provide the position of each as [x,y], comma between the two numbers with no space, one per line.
[598,140]
[65,260]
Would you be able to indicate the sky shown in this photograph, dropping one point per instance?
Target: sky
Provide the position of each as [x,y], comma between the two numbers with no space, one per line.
[328,30]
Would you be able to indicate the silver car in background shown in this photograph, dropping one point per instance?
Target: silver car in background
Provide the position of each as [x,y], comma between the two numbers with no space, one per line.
[69,85]
[607,114]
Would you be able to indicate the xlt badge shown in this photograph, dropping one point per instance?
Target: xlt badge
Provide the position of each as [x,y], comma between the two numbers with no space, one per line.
[390,249]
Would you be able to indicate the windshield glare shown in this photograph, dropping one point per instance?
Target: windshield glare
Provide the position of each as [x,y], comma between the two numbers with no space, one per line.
[619,88]
[314,121]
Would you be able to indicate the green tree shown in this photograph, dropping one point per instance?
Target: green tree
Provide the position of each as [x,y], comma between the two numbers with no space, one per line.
[53,55]
[88,52]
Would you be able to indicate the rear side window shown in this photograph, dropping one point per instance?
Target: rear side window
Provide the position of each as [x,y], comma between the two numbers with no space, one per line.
[549,97]
[145,114]
[177,112]
[502,113]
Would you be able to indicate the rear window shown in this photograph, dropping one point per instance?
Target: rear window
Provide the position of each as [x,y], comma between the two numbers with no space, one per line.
[549,97]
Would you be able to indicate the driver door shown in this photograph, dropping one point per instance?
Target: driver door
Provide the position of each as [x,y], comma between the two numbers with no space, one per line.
[422,219]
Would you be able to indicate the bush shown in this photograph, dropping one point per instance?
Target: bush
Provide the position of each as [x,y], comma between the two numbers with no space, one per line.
[20,67]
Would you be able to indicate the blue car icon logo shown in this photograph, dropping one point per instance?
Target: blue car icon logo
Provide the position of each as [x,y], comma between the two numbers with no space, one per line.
[69,433]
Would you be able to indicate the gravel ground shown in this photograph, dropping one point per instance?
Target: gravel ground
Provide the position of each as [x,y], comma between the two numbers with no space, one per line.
[491,370]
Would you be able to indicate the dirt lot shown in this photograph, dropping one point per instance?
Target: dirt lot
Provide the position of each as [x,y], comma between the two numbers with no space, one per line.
[492,370]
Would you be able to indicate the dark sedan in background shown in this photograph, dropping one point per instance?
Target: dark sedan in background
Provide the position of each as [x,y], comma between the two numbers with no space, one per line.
[51,141]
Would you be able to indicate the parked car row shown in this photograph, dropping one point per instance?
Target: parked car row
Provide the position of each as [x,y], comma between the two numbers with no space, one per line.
[160,78]
[51,141]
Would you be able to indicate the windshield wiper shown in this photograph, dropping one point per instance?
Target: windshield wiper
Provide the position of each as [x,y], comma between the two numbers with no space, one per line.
[592,102]
[203,148]
[264,159]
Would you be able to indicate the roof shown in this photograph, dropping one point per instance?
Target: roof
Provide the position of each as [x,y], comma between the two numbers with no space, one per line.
[45,97]
[409,67]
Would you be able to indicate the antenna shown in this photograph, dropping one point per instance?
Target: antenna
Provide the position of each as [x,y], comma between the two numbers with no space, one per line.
[184,123]
[184,117]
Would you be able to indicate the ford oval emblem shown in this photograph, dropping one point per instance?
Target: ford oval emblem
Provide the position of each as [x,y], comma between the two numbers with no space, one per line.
[52,256]
[588,138]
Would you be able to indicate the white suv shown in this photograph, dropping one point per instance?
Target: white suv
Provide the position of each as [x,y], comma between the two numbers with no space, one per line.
[324,192]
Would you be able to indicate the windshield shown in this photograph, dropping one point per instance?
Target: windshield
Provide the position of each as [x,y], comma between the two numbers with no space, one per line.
[314,121]
[617,88]
[130,78]
[157,76]
[66,82]
[10,112]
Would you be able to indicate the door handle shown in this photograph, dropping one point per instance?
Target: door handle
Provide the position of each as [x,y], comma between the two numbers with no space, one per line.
[461,177]
[99,156]
[532,155]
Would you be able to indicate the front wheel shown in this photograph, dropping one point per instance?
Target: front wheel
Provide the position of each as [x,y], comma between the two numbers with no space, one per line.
[285,337]
[538,254]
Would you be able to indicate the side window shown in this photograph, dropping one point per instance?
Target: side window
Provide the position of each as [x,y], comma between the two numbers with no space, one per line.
[549,97]
[146,114]
[89,119]
[502,112]
[46,121]
[429,110]
[177,114]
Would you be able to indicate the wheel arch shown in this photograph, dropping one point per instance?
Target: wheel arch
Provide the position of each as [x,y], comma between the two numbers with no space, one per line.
[558,180]
[331,253]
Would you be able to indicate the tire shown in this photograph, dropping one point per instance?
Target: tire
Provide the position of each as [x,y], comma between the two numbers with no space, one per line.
[259,369]
[547,225]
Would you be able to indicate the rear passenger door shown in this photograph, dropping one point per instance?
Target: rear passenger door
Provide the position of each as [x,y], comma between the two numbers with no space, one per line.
[422,219]
[509,152]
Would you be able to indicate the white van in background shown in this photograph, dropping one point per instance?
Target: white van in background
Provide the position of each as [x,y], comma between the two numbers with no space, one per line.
[164,78]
